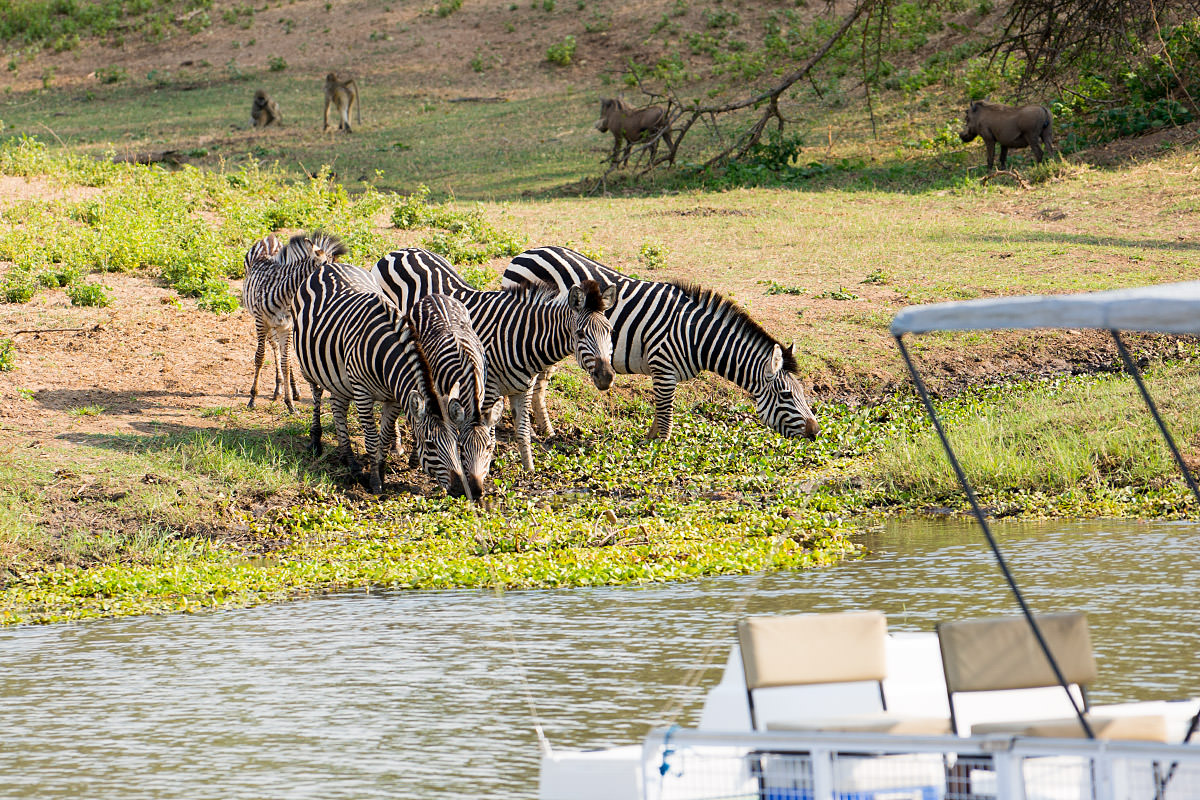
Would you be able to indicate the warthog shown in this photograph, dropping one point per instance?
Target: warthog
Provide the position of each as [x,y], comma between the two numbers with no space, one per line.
[631,124]
[1010,126]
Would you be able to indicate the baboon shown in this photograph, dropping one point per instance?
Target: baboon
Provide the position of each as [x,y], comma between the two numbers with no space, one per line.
[264,110]
[342,94]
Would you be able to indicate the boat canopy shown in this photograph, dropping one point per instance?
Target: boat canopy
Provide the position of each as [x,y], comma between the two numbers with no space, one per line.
[1165,308]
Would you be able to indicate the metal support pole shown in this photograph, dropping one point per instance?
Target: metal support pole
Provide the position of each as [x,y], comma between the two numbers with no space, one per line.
[987,532]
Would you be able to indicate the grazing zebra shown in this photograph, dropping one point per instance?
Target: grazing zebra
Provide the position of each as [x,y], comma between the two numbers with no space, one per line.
[353,343]
[459,369]
[672,332]
[273,273]
[524,330]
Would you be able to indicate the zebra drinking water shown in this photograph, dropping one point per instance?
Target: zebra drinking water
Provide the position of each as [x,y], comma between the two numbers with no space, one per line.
[671,332]
[459,369]
[524,330]
[355,344]
[273,274]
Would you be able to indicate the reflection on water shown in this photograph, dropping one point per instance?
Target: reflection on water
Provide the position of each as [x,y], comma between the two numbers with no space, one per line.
[419,694]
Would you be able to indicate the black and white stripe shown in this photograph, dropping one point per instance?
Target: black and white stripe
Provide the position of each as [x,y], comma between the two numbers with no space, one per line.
[524,330]
[459,369]
[353,343]
[273,274]
[672,332]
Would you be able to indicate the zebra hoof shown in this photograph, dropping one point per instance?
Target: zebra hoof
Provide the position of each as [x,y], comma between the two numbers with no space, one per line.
[251,403]
[315,449]
[376,484]
[287,401]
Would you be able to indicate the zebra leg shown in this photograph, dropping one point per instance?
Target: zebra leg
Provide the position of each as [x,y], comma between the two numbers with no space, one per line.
[314,432]
[278,369]
[520,408]
[664,402]
[541,417]
[341,407]
[259,353]
[389,433]
[375,454]
[286,376]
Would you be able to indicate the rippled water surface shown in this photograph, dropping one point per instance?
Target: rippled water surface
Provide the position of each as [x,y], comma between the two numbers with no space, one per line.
[416,695]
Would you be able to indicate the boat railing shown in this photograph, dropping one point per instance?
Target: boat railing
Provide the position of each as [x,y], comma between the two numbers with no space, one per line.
[686,764]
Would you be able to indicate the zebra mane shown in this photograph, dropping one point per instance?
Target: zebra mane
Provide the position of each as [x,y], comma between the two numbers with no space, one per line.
[298,247]
[532,292]
[593,298]
[427,385]
[722,307]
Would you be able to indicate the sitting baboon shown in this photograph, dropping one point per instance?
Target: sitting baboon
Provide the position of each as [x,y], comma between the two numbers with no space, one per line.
[343,94]
[631,125]
[264,110]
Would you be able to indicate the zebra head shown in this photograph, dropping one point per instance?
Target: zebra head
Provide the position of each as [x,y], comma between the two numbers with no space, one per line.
[593,330]
[779,397]
[315,248]
[436,443]
[263,250]
[476,446]
[476,437]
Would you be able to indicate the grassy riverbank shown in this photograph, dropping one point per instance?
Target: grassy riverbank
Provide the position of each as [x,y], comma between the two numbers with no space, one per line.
[133,480]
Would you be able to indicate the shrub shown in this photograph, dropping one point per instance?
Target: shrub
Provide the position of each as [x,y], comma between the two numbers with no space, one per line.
[447,7]
[653,256]
[88,294]
[276,64]
[561,53]
[111,74]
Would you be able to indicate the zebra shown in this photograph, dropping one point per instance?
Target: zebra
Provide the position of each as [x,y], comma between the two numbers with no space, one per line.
[273,273]
[524,330]
[352,342]
[459,369]
[673,331]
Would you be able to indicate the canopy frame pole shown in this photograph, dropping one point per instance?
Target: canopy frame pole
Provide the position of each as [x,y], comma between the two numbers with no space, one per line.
[1135,373]
[977,510]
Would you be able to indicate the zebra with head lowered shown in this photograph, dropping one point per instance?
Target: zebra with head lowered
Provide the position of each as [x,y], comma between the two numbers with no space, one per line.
[524,330]
[672,332]
[273,274]
[459,369]
[353,343]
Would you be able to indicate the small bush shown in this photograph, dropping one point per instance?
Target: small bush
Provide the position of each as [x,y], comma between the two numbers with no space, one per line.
[88,294]
[111,74]
[447,7]
[561,53]
[276,64]
[8,355]
[653,256]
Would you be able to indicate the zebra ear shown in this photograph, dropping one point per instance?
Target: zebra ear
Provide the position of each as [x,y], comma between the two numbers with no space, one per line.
[609,298]
[791,349]
[575,298]
[455,412]
[776,362]
[455,391]
[493,416]
[415,405]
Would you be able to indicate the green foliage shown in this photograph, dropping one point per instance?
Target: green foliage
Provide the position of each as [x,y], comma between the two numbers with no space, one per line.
[87,411]
[111,74]
[88,294]
[562,52]
[8,354]
[276,64]
[191,226]
[59,24]
[841,293]
[447,7]
[774,287]
[653,255]
[876,277]
[464,237]
[480,277]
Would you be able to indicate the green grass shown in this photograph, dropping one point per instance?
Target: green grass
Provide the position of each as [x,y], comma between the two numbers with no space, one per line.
[606,506]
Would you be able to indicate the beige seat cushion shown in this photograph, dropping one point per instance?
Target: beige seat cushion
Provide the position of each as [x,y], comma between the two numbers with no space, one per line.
[869,723]
[804,649]
[1145,728]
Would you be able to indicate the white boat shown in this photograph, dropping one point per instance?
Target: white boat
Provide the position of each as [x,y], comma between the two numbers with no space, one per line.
[833,707]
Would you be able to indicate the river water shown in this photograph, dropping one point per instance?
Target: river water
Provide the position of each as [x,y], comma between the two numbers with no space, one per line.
[431,695]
